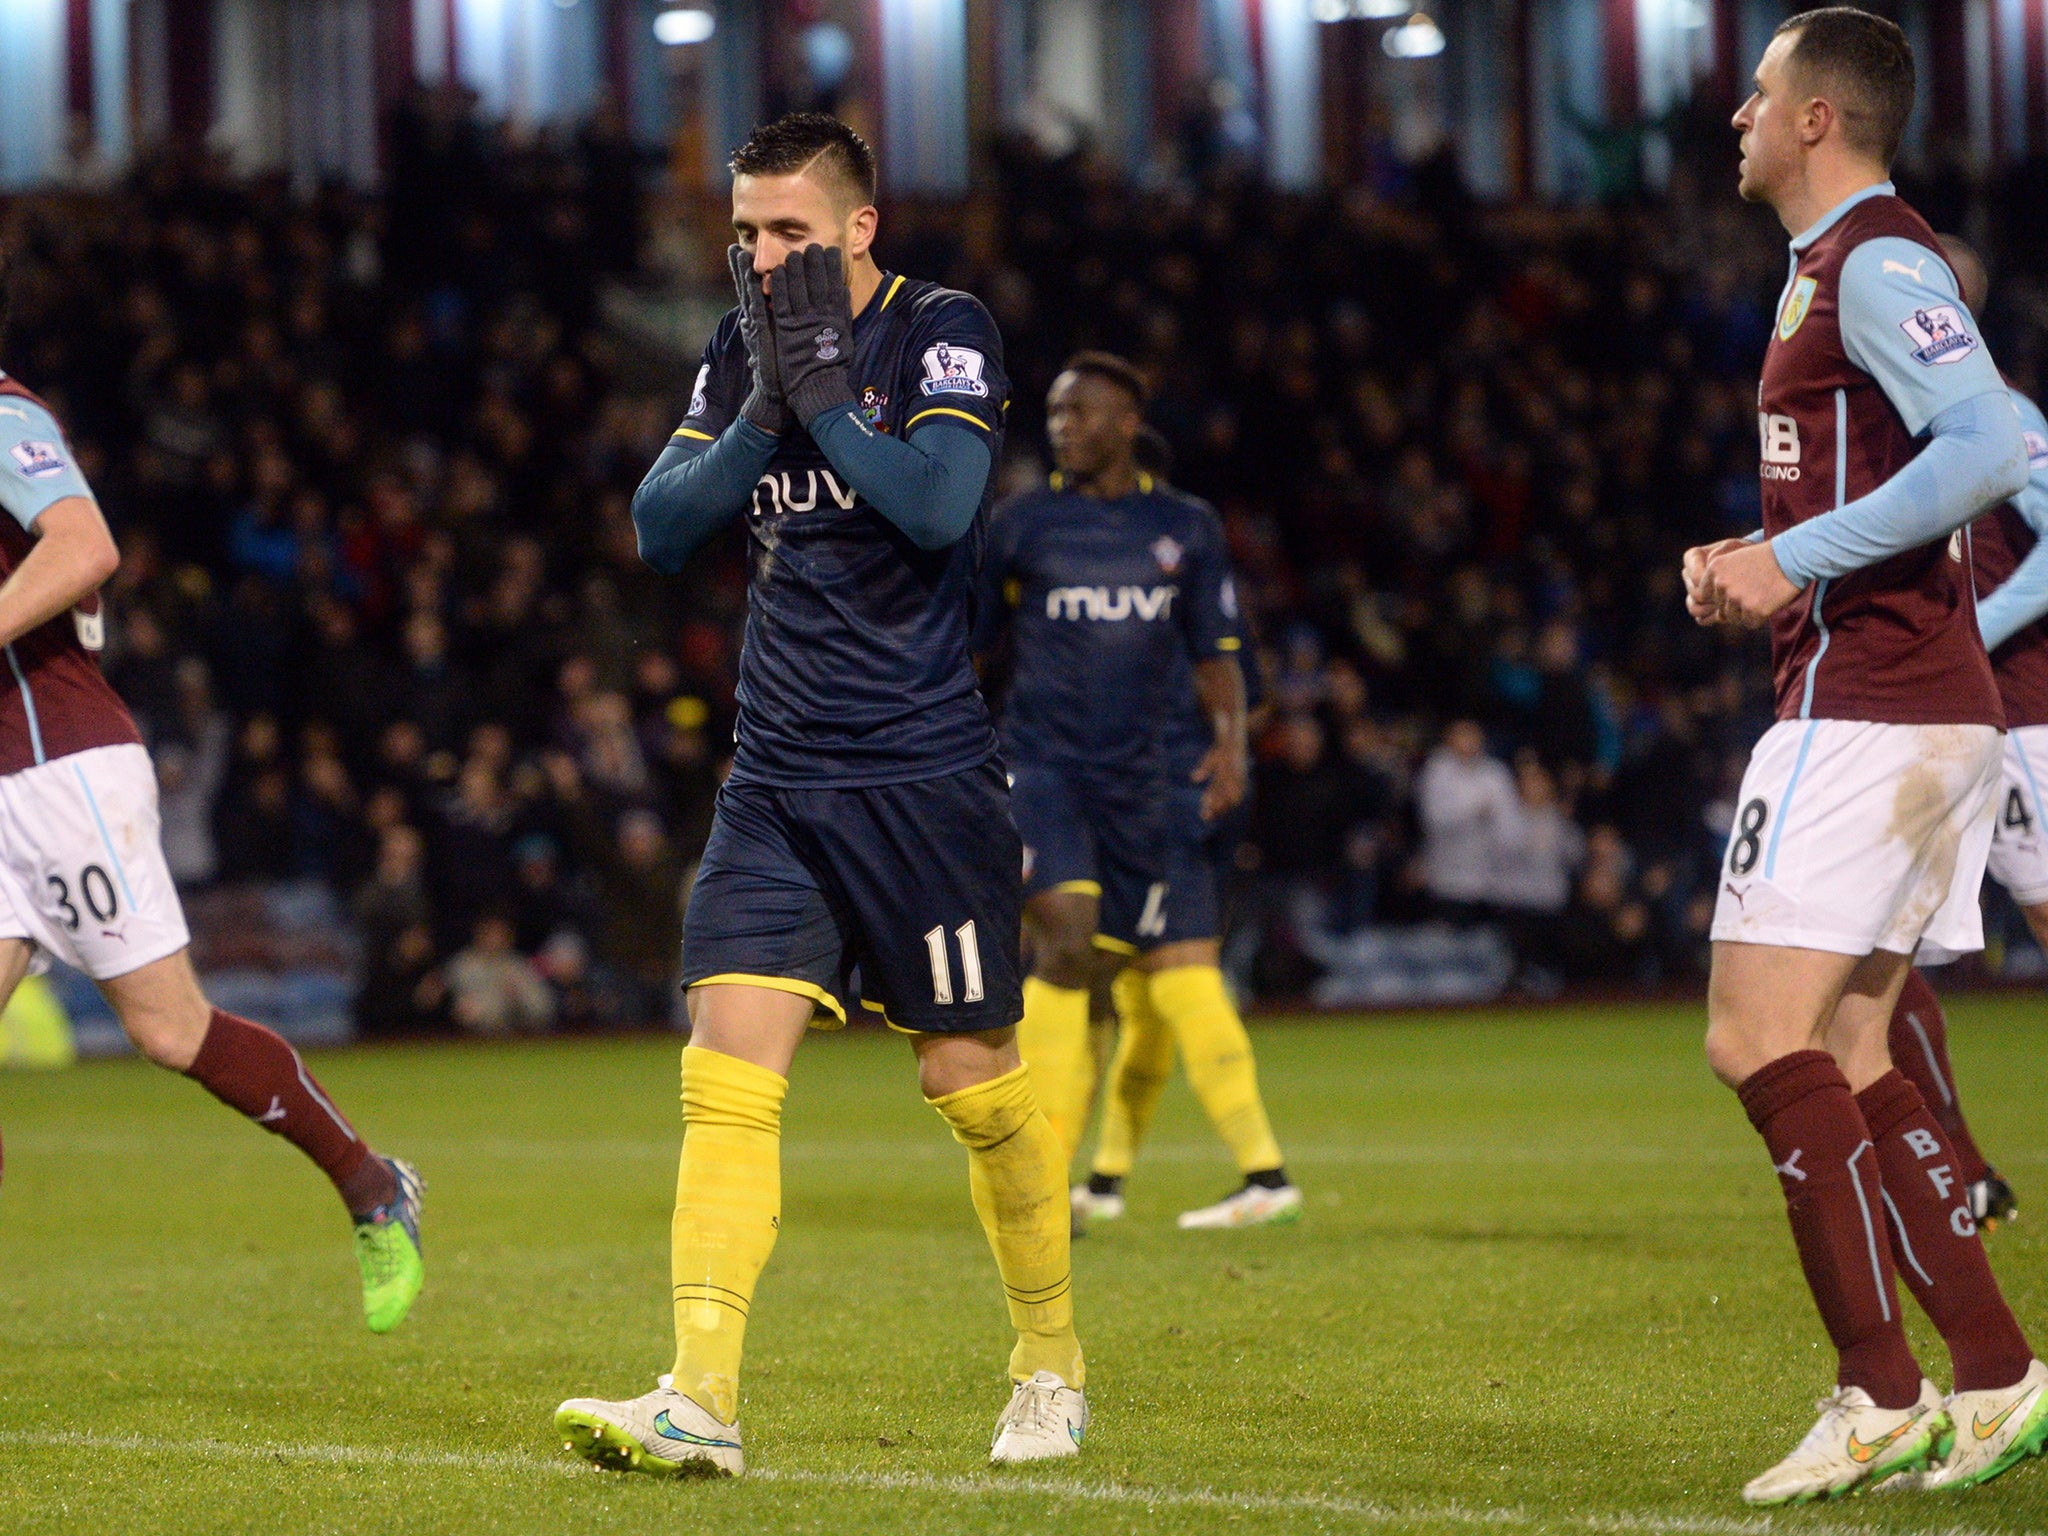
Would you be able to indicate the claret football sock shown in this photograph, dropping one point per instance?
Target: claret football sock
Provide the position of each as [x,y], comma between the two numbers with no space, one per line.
[1137,1076]
[256,1071]
[1052,1038]
[1218,1056]
[728,1210]
[1828,1168]
[1919,1049]
[1019,1183]
[1935,1241]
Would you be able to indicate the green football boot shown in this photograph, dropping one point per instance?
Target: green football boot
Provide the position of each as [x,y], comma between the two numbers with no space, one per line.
[388,1251]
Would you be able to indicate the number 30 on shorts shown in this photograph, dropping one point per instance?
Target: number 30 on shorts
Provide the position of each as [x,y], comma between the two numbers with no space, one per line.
[95,889]
[1748,842]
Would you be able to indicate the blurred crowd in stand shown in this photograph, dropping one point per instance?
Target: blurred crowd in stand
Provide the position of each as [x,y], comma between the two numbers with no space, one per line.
[381,617]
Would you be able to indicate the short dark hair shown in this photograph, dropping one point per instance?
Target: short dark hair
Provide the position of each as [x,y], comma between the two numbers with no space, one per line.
[1113,369]
[1867,60]
[800,140]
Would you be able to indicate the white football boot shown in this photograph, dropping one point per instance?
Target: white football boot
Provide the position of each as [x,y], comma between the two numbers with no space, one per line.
[1855,1442]
[663,1433]
[1995,1431]
[1090,1206]
[1252,1206]
[1045,1420]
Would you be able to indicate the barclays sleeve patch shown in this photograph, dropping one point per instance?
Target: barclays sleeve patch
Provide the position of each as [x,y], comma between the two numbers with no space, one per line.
[2037,450]
[1939,334]
[700,400]
[35,460]
[951,370]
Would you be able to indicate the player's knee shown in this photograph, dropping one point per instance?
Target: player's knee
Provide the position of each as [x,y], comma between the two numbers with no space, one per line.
[168,1031]
[170,1039]
[1065,954]
[1727,1053]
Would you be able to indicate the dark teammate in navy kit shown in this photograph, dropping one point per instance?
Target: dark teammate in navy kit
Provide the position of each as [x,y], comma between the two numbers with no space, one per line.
[1118,593]
[853,418]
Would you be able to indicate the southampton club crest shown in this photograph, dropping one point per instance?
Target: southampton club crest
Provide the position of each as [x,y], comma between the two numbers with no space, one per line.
[1168,554]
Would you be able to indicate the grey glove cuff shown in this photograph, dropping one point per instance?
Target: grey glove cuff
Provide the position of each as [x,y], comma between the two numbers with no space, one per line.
[821,391]
[766,412]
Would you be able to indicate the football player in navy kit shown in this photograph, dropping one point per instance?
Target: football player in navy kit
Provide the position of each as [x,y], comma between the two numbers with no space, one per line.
[853,418]
[1118,593]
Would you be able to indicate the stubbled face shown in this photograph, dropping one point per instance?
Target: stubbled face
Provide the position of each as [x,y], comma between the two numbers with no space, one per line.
[1090,423]
[1769,125]
[774,215]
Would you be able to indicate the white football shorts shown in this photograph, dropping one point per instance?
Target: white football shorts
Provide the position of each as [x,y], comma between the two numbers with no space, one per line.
[2019,843]
[82,869]
[1851,836]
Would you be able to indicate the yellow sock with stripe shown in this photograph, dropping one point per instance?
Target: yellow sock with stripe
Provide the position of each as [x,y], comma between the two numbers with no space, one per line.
[728,1210]
[1218,1056]
[1020,1193]
[1053,1039]
[1137,1074]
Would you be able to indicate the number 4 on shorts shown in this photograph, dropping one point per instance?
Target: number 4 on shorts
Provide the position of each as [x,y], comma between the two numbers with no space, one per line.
[942,965]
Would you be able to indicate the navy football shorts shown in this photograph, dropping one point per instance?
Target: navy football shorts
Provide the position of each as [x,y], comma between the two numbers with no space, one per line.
[913,884]
[1199,858]
[1098,831]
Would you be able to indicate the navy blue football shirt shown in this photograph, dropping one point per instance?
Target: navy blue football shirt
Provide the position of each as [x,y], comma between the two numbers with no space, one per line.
[1110,602]
[855,668]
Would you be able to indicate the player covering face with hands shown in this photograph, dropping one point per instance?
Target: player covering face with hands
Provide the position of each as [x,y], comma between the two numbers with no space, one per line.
[851,417]
[1865,815]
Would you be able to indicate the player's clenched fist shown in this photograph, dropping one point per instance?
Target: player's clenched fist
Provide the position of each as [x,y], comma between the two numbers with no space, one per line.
[1694,569]
[1745,585]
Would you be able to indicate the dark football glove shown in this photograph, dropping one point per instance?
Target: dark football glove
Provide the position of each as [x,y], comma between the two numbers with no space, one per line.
[764,406]
[811,311]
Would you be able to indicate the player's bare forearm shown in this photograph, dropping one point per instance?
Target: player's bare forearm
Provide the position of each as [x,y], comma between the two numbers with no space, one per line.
[1224,769]
[73,555]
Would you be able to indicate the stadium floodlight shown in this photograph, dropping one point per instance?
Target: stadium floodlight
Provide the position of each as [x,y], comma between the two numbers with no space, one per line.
[1416,38]
[678,29]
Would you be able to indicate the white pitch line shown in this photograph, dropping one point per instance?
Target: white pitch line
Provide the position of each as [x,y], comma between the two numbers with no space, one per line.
[1623,1523]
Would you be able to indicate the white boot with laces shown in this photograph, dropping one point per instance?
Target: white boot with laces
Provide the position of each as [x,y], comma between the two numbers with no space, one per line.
[1045,1419]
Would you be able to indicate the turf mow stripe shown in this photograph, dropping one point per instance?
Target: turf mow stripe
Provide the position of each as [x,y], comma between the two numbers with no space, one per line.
[1622,1523]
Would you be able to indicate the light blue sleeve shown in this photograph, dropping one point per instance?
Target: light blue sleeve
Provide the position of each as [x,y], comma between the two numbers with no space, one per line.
[1977,459]
[1904,324]
[2024,596]
[36,467]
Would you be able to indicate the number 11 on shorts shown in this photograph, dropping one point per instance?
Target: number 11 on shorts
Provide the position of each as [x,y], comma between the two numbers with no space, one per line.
[942,965]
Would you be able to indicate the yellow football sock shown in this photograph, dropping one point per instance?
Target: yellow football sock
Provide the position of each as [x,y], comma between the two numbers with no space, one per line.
[1144,1058]
[1020,1193]
[1052,1038]
[728,1209]
[1218,1055]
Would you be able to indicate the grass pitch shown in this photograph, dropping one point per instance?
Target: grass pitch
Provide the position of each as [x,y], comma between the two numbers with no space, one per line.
[1545,1283]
